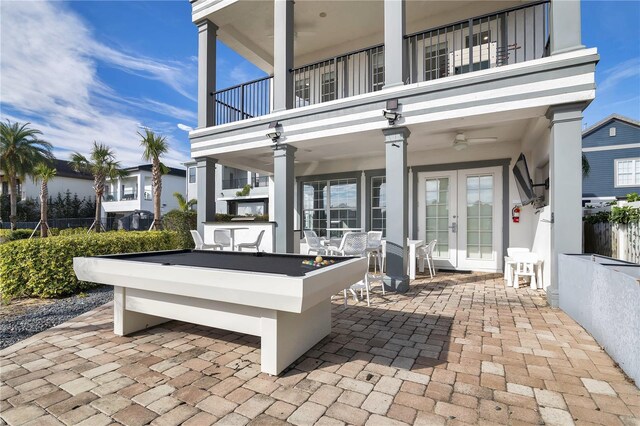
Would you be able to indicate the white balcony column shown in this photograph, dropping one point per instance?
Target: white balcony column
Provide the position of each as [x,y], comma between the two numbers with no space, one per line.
[565,26]
[395,61]
[206,184]
[119,189]
[139,189]
[282,55]
[206,72]
[565,187]
[283,196]
[395,139]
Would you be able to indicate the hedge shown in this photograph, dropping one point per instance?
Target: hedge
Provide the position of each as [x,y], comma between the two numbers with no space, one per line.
[7,235]
[43,267]
[181,223]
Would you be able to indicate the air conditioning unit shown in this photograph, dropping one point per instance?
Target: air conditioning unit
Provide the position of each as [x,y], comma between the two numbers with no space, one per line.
[484,56]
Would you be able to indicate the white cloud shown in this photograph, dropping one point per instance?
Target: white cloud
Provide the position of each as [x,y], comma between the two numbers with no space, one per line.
[628,69]
[48,76]
[184,127]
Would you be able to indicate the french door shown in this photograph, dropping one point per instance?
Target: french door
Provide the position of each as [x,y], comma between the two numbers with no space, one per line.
[462,210]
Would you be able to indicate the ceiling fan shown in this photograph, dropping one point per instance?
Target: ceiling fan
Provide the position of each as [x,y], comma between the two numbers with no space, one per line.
[461,142]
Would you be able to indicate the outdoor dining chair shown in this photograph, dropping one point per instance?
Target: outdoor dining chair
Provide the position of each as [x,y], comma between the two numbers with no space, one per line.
[199,242]
[222,237]
[425,253]
[510,262]
[252,245]
[314,244]
[374,248]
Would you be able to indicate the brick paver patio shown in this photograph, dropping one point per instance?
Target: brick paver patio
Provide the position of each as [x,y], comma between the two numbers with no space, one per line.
[456,349]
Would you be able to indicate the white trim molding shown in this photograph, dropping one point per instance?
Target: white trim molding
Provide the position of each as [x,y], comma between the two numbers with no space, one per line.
[635,174]
[611,147]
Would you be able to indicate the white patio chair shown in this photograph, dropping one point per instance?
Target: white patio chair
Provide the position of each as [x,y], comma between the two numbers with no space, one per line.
[314,243]
[426,253]
[527,265]
[199,242]
[509,262]
[374,248]
[352,244]
[252,245]
[222,237]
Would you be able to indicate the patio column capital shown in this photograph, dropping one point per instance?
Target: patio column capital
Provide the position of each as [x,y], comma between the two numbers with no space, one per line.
[396,134]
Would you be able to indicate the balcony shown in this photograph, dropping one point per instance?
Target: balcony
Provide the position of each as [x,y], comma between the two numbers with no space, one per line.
[239,183]
[493,40]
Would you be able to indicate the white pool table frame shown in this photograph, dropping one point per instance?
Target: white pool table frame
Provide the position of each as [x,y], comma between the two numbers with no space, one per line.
[290,314]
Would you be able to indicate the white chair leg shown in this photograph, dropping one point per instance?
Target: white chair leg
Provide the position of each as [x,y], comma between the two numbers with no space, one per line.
[345,297]
[516,280]
[422,264]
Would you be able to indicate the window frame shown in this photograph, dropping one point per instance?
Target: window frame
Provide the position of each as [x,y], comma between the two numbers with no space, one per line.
[379,207]
[194,175]
[635,174]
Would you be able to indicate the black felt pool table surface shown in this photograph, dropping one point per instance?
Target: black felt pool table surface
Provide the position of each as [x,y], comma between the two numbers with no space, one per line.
[269,263]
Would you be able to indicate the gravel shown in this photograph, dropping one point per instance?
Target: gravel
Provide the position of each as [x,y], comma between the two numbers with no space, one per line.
[16,328]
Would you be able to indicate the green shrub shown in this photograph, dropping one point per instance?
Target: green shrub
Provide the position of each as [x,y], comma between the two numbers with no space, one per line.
[181,223]
[7,235]
[625,214]
[73,231]
[43,267]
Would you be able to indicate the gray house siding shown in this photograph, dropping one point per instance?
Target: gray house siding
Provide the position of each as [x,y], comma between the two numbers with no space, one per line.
[601,179]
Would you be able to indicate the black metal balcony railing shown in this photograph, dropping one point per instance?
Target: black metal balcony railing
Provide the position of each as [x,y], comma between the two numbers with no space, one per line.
[502,38]
[239,183]
[351,74]
[243,101]
[508,37]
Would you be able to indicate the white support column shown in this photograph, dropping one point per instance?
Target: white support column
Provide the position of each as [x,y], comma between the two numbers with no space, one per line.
[395,63]
[206,72]
[565,26]
[565,180]
[139,189]
[119,189]
[397,208]
[206,184]
[283,191]
[282,55]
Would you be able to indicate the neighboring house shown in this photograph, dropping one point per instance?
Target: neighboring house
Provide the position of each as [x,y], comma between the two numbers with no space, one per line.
[612,147]
[66,179]
[228,182]
[405,117]
[135,192]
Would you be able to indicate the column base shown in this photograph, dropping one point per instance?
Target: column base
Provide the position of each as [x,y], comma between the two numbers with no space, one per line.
[397,284]
[553,297]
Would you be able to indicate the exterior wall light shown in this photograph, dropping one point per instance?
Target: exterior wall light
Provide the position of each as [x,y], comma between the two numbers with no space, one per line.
[391,116]
[274,132]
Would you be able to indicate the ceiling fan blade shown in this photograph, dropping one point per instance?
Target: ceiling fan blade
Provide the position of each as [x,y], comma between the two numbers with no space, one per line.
[482,140]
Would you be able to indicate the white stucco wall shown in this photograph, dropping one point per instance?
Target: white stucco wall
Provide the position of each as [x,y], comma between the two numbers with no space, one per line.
[604,300]
[82,187]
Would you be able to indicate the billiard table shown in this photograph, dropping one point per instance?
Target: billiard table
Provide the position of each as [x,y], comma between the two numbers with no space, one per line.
[274,296]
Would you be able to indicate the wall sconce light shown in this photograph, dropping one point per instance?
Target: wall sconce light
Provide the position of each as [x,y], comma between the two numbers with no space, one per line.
[274,132]
[391,116]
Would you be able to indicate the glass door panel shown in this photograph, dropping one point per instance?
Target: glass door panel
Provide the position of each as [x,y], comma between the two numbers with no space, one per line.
[437,206]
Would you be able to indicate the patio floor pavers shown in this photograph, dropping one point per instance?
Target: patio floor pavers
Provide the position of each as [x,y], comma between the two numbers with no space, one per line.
[459,348]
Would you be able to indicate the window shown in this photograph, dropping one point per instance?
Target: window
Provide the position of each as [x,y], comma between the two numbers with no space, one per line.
[435,61]
[379,204]
[627,172]
[377,69]
[480,217]
[478,39]
[5,188]
[330,205]
[192,175]
[612,131]
[328,86]
[302,92]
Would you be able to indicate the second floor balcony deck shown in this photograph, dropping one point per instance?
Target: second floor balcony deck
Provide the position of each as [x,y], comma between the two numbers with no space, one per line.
[493,40]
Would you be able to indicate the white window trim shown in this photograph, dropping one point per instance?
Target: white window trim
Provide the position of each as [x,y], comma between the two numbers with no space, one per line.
[633,167]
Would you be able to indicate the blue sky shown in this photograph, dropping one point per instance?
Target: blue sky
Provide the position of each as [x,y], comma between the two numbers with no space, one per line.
[98,70]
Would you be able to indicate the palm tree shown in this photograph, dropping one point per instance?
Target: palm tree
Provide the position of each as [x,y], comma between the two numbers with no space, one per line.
[586,167]
[20,152]
[155,146]
[102,165]
[183,204]
[43,173]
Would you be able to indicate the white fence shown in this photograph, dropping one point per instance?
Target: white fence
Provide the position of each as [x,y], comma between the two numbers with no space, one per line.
[620,241]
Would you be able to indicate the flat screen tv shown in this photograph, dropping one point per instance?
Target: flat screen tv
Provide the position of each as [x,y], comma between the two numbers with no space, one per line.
[523,181]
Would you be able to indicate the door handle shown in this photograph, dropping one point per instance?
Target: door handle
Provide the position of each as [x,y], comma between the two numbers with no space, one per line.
[454,227]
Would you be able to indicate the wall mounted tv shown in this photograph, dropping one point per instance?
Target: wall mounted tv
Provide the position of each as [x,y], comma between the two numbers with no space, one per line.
[523,181]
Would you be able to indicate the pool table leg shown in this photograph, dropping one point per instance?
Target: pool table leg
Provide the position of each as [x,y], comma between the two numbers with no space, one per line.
[127,322]
[286,336]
